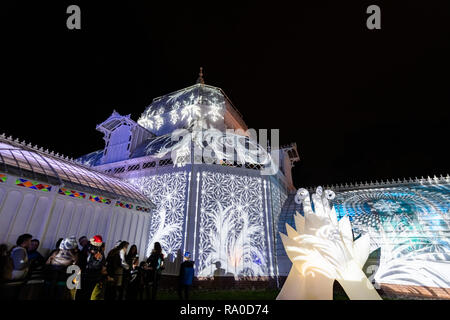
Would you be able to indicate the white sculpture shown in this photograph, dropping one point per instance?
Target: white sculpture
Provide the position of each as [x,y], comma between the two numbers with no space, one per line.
[322,250]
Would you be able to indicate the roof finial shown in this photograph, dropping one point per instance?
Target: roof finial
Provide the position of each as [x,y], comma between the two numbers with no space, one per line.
[200,76]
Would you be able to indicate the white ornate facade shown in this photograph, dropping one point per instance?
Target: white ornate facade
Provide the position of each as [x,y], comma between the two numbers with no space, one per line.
[220,206]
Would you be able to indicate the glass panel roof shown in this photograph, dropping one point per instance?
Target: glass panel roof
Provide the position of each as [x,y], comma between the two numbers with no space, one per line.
[28,162]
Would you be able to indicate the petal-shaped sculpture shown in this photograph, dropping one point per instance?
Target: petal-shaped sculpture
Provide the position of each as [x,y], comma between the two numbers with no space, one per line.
[361,249]
[322,250]
[299,223]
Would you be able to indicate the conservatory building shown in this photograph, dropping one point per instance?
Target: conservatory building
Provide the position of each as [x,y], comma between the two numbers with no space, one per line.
[220,206]
[190,175]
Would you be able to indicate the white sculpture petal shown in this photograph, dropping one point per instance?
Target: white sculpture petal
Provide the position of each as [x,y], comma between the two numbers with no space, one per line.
[346,232]
[361,249]
[322,251]
[291,231]
[333,216]
[299,223]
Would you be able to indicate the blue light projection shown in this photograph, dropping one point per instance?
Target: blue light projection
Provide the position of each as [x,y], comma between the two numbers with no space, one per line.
[411,225]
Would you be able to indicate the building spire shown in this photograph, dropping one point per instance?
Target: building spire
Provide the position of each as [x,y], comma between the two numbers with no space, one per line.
[200,76]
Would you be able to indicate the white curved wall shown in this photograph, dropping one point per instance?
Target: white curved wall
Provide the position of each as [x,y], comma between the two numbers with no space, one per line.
[49,216]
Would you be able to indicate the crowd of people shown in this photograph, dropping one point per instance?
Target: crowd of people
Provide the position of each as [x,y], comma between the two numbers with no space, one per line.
[118,275]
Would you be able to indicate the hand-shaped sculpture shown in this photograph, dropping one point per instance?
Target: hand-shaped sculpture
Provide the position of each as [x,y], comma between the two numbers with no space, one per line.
[322,250]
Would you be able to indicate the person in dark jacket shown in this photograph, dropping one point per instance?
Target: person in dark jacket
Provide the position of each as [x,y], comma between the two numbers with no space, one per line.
[186,277]
[134,280]
[95,263]
[34,257]
[83,253]
[129,259]
[155,267]
[132,253]
[115,266]
[99,290]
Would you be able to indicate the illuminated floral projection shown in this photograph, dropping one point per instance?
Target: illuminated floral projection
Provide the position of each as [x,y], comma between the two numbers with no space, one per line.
[183,106]
[168,192]
[232,235]
[410,225]
[212,143]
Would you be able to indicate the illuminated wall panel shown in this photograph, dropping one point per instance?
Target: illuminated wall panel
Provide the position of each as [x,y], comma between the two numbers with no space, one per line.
[232,237]
[168,192]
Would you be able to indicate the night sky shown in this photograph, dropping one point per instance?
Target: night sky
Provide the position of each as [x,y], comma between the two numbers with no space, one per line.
[360,104]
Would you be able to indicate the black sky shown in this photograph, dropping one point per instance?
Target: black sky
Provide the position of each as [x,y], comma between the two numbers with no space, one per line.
[360,104]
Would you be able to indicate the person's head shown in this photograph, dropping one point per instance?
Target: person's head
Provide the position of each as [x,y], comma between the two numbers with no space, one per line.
[133,250]
[83,241]
[187,256]
[24,240]
[58,243]
[123,246]
[96,241]
[34,245]
[157,247]
[69,244]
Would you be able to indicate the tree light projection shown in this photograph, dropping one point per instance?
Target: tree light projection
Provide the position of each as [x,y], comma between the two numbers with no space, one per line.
[232,239]
[322,250]
[167,191]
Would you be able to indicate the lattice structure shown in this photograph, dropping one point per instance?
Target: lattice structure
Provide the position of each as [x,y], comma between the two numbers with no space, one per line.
[279,197]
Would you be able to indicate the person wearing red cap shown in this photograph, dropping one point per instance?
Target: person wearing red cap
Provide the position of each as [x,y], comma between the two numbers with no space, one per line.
[94,266]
